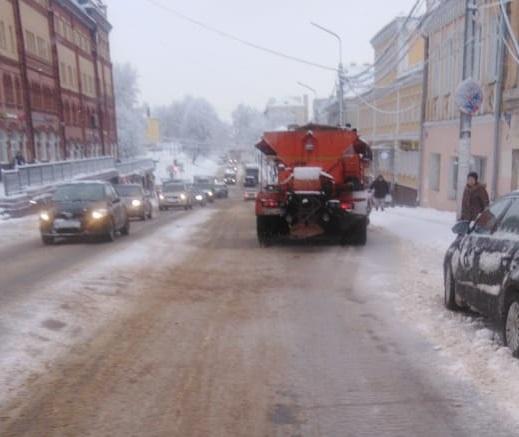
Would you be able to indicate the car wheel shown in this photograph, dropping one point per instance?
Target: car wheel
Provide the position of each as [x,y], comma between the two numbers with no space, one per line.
[110,235]
[449,293]
[144,216]
[125,230]
[511,328]
[47,240]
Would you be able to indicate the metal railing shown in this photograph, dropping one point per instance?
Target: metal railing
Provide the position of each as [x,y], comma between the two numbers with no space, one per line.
[134,166]
[19,180]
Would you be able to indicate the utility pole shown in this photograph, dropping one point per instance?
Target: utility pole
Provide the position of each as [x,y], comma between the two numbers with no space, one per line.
[464,147]
[498,103]
[340,73]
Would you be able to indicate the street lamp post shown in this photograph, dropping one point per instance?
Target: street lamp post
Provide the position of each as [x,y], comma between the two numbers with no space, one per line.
[340,72]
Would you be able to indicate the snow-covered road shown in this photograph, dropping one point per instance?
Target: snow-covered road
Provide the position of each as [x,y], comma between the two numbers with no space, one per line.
[188,328]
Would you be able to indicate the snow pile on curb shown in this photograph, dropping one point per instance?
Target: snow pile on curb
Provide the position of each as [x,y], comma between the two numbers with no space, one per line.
[51,321]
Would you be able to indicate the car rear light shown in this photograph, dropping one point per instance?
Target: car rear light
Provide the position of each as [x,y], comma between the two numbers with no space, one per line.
[347,206]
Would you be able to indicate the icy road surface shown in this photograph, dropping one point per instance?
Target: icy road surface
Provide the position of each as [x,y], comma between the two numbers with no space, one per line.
[187,328]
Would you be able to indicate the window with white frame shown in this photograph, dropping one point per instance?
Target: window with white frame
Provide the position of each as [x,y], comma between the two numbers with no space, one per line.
[434,171]
[453,178]
[479,165]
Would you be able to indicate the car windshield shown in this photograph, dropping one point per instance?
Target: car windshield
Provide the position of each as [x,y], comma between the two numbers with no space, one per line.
[204,186]
[128,190]
[173,188]
[79,192]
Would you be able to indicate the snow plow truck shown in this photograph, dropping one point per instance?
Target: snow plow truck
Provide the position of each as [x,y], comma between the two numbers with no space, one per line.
[320,185]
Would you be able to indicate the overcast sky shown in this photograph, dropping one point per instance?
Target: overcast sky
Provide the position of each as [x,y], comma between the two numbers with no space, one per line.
[175,58]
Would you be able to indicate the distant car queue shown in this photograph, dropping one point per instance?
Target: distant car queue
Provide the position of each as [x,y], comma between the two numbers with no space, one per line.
[100,210]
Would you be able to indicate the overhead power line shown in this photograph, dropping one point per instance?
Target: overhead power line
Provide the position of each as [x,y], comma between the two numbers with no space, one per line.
[237,39]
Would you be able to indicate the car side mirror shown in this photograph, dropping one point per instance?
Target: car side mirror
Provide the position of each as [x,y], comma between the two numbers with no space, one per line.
[116,200]
[461,228]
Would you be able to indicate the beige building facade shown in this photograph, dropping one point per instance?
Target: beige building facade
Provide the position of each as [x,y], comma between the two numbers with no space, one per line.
[491,156]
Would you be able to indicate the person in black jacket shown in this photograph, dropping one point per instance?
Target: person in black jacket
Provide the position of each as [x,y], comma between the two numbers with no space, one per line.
[380,189]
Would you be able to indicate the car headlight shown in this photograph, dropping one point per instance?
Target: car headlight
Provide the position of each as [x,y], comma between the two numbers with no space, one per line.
[98,214]
[45,216]
[198,197]
[183,196]
[161,196]
[136,203]
[210,194]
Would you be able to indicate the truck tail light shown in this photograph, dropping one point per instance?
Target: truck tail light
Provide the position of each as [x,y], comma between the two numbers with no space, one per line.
[347,206]
[269,203]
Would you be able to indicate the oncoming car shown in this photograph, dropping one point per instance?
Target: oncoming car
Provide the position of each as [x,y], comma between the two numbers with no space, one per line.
[137,201]
[175,195]
[481,267]
[84,209]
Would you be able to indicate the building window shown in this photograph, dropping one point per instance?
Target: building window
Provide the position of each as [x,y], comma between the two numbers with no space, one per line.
[18,92]
[11,39]
[479,165]
[477,52]
[70,77]
[434,171]
[63,73]
[30,42]
[42,48]
[3,36]
[493,52]
[453,178]
[8,90]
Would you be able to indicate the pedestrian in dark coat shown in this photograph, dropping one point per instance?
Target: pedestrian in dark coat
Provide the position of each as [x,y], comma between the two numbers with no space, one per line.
[380,189]
[475,198]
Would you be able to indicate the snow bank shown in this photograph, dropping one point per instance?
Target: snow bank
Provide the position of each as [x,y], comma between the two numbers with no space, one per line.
[47,323]
[14,230]
[420,226]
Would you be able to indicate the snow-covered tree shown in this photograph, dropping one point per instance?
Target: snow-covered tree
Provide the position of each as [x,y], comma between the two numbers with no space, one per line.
[248,126]
[131,122]
[195,124]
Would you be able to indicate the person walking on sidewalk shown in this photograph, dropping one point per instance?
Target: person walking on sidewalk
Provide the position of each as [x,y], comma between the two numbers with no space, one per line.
[380,189]
[475,198]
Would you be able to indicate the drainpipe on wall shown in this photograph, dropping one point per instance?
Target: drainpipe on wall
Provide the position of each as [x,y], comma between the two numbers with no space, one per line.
[423,113]
[498,103]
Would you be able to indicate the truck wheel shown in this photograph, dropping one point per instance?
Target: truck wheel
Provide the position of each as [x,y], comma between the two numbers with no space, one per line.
[358,234]
[264,232]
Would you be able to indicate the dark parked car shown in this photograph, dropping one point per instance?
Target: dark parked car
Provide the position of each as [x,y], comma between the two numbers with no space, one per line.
[84,209]
[482,267]
[137,201]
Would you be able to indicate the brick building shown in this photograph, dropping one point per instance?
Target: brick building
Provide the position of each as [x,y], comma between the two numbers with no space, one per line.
[56,88]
